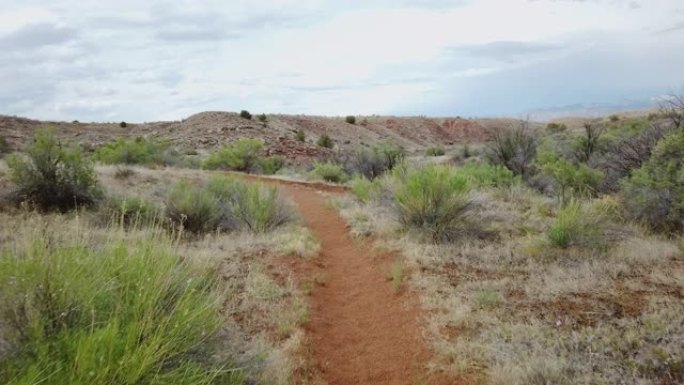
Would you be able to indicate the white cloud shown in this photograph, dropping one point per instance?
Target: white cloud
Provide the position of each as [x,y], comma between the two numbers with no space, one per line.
[133,60]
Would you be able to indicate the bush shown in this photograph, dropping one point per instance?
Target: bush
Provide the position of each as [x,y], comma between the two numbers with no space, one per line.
[577,226]
[115,314]
[271,165]
[514,149]
[263,118]
[364,189]
[137,151]
[258,208]
[590,143]
[123,125]
[245,115]
[194,209]
[372,162]
[435,151]
[614,118]
[351,119]
[124,172]
[555,128]
[329,172]
[53,176]
[569,180]
[4,146]
[433,200]
[242,155]
[300,135]
[654,194]
[325,141]
[487,175]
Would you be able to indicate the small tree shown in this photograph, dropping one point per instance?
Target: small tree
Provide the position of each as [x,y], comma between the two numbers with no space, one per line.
[569,179]
[242,155]
[263,118]
[53,176]
[245,115]
[589,143]
[351,119]
[325,141]
[123,124]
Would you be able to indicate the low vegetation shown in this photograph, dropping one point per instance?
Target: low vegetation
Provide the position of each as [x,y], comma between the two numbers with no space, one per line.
[140,151]
[329,172]
[435,151]
[351,119]
[325,141]
[244,114]
[53,176]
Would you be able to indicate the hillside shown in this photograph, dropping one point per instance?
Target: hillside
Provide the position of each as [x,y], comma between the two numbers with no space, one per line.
[211,129]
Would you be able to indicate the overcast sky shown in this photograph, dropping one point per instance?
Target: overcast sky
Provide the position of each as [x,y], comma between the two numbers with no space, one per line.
[139,60]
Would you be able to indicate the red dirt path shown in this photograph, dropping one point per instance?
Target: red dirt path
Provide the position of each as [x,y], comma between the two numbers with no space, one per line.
[363,331]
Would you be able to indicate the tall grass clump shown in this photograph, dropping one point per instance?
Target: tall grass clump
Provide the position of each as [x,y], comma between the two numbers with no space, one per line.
[241,155]
[193,208]
[578,225]
[258,208]
[53,176]
[325,141]
[365,190]
[433,200]
[487,175]
[117,314]
[329,172]
[435,151]
[130,212]
[137,151]
[4,146]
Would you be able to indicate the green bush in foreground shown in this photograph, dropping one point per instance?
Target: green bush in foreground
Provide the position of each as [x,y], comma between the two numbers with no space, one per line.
[241,155]
[435,151]
[329,172]
[53,176]
[193,208]
[137,151]
[117,314]
[434,200]
[577,225]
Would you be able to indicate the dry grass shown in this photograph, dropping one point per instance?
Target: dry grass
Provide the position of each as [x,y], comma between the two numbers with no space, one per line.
[514,310]
[265,308]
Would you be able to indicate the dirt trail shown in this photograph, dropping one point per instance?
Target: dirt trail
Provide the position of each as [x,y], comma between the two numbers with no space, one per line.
[363,331]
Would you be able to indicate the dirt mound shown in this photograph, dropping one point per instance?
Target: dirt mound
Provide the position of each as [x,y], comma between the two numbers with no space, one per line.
[211,129]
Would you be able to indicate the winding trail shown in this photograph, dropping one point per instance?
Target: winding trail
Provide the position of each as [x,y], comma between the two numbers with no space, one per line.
[363,331]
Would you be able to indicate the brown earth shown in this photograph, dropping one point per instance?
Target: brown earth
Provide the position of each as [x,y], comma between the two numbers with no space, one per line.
[362,330]
[207,130]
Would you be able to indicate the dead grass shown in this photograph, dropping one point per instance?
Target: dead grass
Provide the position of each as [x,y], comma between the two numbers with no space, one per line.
[512,310]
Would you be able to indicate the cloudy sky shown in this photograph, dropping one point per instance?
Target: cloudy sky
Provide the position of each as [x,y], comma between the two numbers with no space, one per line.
[161,59]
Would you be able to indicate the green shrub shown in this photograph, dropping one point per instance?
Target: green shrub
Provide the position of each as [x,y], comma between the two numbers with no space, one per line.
[53,176]
[329,172]
[577,225]
[351,119]
[364,189]
[137,151]
[569,180]
[555,128]
[123,125]
[590,143]
[116,314]
[300,135]
[487,175]
[654,193]
[433,200]
[614,118]
[194,209]
[245,115]
[271,165]
[4,146]
[258,208]
[242,155]
[435,151]
[325,141]
[372,162]
[263,118]
[514,149]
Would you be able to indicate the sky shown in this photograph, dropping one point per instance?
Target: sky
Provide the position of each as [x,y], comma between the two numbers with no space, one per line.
[138,61]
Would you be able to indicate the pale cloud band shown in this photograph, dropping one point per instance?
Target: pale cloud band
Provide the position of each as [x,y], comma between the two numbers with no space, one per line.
[142,61]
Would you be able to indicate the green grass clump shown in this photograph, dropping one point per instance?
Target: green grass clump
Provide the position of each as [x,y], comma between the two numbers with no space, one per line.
[258,208]
[53,176]
[578,225]
[137,151]
[242,155]
[487,175]
[325,141]
[193,208]
[364,189]
[117,314]
[329,172]
[300,135]
[434,200]
[435,151]
[4,146]
[131,212]
[271,164]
